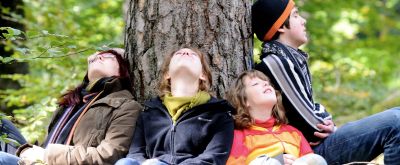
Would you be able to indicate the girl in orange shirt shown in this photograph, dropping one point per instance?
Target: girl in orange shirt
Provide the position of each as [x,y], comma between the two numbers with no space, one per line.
[262,134]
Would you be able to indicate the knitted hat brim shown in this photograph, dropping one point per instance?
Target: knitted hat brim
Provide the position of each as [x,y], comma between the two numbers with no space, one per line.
[279,22]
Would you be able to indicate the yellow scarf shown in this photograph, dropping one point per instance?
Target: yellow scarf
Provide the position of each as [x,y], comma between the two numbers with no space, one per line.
[178,105]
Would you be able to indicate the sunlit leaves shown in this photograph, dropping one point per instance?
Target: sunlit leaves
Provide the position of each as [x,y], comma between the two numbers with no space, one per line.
[58,38]
[353,53]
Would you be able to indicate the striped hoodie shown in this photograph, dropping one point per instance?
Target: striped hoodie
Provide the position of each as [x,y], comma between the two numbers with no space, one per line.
[288,70]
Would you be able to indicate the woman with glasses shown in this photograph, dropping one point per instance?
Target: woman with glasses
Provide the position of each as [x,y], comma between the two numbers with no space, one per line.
[94,122]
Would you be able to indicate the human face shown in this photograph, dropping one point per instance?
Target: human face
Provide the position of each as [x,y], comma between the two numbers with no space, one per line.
[259,93]
[102,65]
[296,34]
[185,62]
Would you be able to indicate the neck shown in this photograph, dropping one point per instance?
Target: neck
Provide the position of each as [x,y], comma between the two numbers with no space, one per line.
[285,41]
[183,87]
[262,113]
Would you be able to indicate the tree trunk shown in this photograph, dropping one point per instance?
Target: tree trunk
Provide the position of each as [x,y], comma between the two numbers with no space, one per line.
[219,28]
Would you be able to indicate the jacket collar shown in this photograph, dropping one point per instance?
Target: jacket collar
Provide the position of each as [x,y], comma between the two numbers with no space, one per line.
[114,94]
[274,47]
[214,102]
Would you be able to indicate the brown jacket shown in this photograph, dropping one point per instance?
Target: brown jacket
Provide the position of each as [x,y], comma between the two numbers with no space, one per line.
[104,133]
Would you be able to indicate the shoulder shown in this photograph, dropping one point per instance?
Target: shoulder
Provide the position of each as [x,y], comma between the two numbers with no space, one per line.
[239,147]
[289,128]
[275,58]
[221,103]
[121,100]
[239,135]
[273,54]
[216,105]
[152,103]
[278,64]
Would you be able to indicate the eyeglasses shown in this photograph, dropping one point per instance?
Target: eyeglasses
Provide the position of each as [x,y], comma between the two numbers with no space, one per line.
[96,57]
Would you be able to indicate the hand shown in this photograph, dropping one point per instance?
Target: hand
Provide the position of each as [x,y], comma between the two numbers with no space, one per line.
[288,159]
[153,161]
[33,154]
[327,128]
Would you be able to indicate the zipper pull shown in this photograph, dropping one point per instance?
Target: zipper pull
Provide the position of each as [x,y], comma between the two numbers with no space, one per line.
[173,127]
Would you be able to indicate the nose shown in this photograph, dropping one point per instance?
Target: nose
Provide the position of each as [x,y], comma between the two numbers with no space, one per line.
[90,58]
[93,58]
[185,52]
[266,83]
[303,20]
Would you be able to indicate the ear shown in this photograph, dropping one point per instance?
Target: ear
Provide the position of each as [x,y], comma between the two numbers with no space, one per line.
[167,76]
[203,77]
[247,104]
[281,30]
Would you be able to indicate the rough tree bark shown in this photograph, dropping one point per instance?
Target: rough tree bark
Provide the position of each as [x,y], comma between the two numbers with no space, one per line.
[219,28]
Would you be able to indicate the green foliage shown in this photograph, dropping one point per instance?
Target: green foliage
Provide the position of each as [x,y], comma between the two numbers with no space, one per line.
[353,54]
[58,38]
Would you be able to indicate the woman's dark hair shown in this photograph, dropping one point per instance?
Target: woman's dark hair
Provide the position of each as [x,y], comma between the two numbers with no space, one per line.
[74,96]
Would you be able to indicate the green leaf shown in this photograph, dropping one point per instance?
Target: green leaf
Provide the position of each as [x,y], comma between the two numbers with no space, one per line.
[45,32]
[7,60]
[22,50]
[16,31]
[7,36]
[72,46]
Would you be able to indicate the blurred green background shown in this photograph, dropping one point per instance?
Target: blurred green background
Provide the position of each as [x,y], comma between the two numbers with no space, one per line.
[353,47]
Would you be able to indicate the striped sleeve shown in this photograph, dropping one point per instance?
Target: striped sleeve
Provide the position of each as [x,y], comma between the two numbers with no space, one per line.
[291,82]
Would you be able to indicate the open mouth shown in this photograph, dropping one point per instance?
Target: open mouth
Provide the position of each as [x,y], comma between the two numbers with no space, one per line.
[267,91]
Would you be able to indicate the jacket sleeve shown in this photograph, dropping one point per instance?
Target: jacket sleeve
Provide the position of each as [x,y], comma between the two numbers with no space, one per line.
[305,147]
[113,147]
[218,149]
[239,150]
[137,150]
[283,73]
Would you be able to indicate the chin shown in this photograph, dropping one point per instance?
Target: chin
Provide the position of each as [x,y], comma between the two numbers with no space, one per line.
[305,38]
[302,42]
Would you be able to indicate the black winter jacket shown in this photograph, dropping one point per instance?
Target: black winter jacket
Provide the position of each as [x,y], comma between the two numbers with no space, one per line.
[202,135]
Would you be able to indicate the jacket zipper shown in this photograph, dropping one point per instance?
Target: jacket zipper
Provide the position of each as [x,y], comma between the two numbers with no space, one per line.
[172,139]
[173,130]
[173,143]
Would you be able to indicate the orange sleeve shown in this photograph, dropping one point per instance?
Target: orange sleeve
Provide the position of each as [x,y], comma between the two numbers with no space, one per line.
[239,150]
[305,147]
